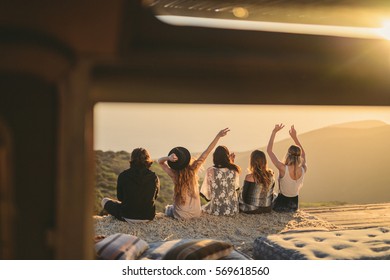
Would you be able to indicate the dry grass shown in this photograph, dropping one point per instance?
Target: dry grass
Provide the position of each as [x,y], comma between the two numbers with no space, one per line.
[241,230]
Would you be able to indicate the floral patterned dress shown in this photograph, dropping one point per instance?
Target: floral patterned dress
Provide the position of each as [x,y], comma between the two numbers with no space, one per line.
[220,188]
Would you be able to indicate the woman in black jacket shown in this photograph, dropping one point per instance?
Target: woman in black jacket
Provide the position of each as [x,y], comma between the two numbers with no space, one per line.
[137,190]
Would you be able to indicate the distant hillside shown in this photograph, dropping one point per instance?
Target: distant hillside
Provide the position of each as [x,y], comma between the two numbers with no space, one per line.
[346,162]
[361,124]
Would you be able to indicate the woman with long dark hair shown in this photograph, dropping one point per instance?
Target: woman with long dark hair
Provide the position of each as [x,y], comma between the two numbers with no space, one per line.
[257,193]
[291,171]
[221,183]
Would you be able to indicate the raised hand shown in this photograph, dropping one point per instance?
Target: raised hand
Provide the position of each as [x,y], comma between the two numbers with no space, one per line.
[172,157]
[279,165]
[293,132]
[223,132]
[278,127]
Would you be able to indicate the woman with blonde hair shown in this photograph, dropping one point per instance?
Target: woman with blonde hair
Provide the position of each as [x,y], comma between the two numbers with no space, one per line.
[257,193]
[183,171]
[221,183]
[291,171]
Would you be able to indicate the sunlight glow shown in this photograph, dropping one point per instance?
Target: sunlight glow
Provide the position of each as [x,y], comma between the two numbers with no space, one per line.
[312,29]
[111,133]
[385,30]
[240,12]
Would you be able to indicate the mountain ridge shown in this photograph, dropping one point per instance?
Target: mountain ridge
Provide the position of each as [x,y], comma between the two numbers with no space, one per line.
[334,156]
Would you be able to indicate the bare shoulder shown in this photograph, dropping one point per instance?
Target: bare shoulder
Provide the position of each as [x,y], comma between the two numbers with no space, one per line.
[249,177]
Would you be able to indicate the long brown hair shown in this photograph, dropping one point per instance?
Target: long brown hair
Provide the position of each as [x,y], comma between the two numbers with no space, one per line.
[258,166]
[221,159]
[186,184]
[293,157]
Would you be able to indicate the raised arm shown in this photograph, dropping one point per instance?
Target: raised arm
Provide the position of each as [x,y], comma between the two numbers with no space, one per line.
[279,165]
[163,163]
[212,145]
[293,134]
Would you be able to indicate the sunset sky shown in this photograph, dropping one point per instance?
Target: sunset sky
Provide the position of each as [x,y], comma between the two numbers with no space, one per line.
[160,127]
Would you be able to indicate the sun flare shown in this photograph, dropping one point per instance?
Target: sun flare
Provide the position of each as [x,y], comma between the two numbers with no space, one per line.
[384,31]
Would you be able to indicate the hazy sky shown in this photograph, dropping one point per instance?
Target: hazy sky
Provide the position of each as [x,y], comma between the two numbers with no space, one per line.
[160,127]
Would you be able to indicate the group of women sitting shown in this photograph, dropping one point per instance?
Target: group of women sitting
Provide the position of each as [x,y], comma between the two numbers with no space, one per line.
[138,186]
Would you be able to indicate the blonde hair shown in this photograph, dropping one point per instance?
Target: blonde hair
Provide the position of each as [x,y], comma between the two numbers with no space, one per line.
[259,168]
[293,157]
[186,183]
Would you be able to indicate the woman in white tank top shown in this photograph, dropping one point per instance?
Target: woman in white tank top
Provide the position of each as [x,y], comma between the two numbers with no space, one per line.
[291,171]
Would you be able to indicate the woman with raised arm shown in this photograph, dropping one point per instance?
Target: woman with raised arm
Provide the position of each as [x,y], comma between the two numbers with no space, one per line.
[221,183]
[291,171]
[183,171]
[257,193]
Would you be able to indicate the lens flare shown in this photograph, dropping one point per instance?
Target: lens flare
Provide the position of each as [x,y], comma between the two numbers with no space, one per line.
[240,12]
[384,31]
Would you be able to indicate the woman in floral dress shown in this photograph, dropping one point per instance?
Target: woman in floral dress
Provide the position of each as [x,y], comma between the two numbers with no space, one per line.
[221,184]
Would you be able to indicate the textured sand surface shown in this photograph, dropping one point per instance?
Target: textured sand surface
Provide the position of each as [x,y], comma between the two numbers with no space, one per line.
[241,230]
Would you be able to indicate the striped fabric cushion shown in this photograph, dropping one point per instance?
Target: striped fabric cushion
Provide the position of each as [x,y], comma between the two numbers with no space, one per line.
[120,247]
[204,249]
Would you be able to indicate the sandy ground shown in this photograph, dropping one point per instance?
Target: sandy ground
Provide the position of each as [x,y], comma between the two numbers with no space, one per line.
[355,216]
[241,230]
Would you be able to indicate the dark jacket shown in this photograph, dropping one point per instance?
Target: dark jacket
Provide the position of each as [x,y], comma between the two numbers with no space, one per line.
[137,189]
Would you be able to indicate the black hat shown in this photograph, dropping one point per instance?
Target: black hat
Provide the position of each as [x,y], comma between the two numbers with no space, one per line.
[183,158]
